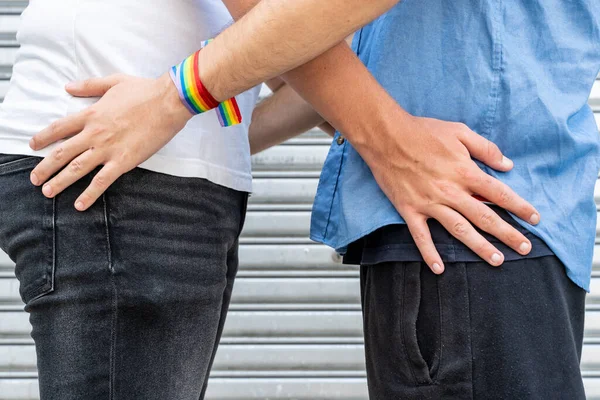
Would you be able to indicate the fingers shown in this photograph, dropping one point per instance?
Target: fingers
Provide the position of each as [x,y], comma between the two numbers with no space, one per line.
[485,151]
[462,230]
[94,87]
[487,220]
[420,232]
[503,196]
[100,182]
[60,129]
[60,156]
[77,169]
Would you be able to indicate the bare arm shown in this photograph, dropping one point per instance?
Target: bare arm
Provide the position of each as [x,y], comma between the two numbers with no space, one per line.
[281,116]
[275,36]
[423,165]
[284,115]
[275,84]
[395,144]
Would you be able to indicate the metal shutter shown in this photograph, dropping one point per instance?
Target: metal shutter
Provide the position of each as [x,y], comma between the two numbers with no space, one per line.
[294,329]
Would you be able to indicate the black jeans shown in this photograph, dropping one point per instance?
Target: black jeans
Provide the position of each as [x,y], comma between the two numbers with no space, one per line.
[475,332]
[128,299]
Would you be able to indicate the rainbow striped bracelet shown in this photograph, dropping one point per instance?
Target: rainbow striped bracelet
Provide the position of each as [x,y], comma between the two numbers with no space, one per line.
[194,95]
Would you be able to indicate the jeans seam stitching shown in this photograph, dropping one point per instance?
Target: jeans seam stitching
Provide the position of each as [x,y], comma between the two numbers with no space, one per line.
[107,234]
[215,346]
[48,286]
[244,212]
[470,325]
[18,165]
[222,317]
[53,271]
[37,292]
[113,333]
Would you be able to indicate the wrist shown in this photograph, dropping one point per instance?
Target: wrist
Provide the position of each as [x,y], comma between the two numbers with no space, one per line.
[381,126]
[173,107]
[196,97]
[209,73]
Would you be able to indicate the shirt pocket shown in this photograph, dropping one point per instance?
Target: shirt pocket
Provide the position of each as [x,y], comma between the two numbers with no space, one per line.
[27,229]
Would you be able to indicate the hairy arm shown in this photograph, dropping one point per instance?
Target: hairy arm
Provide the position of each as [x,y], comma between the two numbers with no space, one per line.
[423,165]
[399,149]
[275,36]
[284,115]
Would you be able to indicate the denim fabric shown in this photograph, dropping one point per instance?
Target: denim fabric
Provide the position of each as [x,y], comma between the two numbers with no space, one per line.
[518,73]
[474,332]
[128,299]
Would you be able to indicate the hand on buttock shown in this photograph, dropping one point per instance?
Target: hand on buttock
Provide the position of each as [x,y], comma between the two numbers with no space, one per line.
[425,168]
[134,119]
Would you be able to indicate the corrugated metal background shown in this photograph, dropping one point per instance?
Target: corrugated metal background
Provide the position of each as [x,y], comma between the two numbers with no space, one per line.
[294,330]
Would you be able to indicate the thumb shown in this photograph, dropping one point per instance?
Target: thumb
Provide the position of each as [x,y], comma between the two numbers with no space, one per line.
[94,87]
[485,151]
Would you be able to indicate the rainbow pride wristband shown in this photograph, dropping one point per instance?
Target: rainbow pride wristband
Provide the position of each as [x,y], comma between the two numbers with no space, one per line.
[194,95]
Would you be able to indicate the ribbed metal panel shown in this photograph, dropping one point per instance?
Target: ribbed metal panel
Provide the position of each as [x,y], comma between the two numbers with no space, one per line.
[294,330]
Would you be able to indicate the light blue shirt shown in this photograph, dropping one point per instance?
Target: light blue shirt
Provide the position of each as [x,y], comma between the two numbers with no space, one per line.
[518,73]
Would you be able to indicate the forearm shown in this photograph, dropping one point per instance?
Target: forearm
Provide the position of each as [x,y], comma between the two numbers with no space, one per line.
[275,84]
[327,128]
[281,116]
[298,113]
[343,91]
[277,36]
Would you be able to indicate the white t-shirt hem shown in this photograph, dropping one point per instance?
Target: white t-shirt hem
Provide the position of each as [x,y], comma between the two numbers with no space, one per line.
[181,167]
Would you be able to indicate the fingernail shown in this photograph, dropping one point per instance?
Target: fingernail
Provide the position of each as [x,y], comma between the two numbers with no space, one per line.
[72,85]
[496,258]
[437,268]
[47,190]
[79,205]
[507,162]
[34,179]
[32,143]
[534,219]
[524,248]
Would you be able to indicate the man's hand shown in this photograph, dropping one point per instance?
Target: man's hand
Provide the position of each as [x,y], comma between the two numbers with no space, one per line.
[139,116]
[425,161]
[424,166]
[425,169]
[134,119]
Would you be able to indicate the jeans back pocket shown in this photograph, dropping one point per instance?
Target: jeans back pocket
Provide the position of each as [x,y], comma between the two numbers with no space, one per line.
[26,227]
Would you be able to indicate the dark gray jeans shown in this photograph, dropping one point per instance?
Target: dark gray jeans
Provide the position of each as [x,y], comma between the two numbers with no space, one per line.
[475,332]
[128,299]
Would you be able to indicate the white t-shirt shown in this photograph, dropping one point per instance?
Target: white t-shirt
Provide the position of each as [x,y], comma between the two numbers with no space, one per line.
[65,40]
